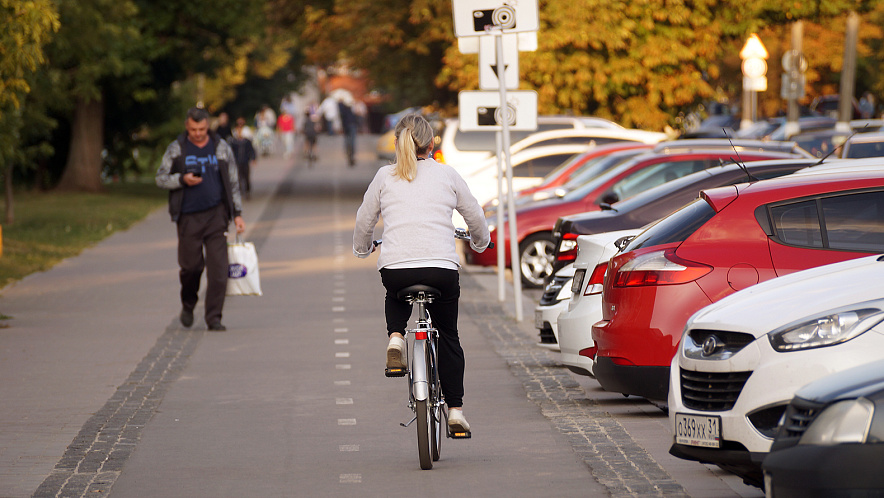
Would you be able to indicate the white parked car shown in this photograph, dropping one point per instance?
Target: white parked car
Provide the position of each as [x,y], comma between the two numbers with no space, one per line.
[585,300]
[464,147]
[864,145]
[742,359]
[554,300]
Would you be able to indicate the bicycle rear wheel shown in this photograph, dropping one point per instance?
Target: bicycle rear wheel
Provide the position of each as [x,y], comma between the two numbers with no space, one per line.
[437,421]
[424,433]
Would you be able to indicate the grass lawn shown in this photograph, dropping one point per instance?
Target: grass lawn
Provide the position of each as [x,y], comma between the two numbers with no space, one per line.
[51,226]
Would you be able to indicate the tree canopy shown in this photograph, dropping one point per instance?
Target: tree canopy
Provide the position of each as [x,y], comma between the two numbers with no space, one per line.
[119,74]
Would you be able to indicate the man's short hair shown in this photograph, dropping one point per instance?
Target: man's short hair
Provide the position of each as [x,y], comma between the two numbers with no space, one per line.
[197,114]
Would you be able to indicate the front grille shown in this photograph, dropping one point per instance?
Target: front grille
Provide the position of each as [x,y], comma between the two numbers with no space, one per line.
[551,291]
[546,335]
[711,391]
[730,343]
[799,415]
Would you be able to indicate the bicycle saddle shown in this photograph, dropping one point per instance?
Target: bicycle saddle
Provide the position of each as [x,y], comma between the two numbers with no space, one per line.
[431,292]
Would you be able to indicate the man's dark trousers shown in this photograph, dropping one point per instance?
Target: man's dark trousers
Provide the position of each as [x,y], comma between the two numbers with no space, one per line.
[195,231]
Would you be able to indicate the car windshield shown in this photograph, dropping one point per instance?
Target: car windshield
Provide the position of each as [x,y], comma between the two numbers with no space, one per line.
[758,129]
[597,166]
[560,168]
[577,189]
[676,227]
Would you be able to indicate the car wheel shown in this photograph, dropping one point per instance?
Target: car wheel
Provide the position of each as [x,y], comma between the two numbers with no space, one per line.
[536,258]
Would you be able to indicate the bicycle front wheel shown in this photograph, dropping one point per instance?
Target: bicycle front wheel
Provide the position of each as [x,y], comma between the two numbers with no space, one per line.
[424,433]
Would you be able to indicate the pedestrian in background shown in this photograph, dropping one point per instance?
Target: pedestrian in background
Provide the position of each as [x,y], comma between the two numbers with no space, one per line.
[310,129]
[349,126]
[244,151]
[222,126]
[330,116]
[200,172]
[285,126]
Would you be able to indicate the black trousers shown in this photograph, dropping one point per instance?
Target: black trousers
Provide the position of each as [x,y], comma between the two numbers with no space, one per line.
[443,311]
[205,230]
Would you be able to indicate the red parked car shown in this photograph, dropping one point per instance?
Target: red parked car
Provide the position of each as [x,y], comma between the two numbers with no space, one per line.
[731,238]
[668,161]
[588,163]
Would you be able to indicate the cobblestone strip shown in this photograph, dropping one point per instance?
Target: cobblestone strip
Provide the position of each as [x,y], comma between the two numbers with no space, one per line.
[614,458]
[95,458]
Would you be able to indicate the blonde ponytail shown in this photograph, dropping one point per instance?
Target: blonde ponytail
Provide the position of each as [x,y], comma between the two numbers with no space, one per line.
[414,136]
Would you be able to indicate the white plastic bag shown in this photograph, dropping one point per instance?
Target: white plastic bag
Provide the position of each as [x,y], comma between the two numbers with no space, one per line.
[243,278]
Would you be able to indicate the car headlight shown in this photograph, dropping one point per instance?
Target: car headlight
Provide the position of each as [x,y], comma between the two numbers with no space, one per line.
[832,327]
[541,195]
[843,422]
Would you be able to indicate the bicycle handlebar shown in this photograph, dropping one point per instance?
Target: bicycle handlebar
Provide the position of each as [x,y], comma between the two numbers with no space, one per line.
[459,233]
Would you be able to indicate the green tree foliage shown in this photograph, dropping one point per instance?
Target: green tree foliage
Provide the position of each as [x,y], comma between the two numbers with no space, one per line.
[27,27]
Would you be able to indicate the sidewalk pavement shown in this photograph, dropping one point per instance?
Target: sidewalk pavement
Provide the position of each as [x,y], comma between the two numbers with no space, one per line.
[78,329]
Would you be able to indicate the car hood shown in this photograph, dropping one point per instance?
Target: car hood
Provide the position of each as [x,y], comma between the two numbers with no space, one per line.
[864,380]
[794,297]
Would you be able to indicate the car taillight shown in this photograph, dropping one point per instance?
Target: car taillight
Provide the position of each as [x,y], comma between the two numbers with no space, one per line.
[659,268]
[567,248]
[596,280]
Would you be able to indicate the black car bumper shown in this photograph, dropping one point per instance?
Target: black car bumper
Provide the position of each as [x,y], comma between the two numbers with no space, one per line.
[647,381]
[830,471]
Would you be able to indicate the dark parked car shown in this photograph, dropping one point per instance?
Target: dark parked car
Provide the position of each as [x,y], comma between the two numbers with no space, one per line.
[831,441]
[660,201]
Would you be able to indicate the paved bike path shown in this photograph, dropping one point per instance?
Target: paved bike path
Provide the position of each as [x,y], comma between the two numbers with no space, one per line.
[97,374]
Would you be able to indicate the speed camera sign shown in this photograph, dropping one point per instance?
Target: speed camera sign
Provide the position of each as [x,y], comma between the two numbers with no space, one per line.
[482,111]
[474,17]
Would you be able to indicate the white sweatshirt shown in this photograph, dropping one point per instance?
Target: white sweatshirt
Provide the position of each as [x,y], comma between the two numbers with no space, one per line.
[418,231]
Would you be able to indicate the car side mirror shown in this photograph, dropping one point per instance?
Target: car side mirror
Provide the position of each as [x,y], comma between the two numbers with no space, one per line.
[610,198]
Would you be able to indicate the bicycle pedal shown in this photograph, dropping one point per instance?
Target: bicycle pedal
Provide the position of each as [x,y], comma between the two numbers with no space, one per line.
[395,372]
[459,434]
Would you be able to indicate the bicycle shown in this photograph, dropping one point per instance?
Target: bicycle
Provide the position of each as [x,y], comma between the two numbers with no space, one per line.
[425,396]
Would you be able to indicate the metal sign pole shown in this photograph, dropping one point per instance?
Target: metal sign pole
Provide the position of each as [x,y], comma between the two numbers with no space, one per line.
[501,264]
[511,206]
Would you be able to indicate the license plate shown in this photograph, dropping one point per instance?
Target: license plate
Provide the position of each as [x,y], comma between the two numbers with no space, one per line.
[538,319]
[698,430]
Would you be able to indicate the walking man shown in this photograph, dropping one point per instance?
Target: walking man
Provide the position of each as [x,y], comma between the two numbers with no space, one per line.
[200,172]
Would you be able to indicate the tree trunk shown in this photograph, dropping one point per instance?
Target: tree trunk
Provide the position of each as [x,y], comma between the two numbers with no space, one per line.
[10,205]
[83,169]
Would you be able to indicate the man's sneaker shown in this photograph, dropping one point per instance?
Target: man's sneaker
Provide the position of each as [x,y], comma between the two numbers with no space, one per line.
[186,317]
[217,327]
[457,424]
[396,353]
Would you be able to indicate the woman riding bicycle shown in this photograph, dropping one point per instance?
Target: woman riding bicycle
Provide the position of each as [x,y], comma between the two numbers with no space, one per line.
[416,197]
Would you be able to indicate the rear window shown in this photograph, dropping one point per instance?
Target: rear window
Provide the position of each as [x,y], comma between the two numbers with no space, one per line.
[870,149]
[676,227]
[850,222]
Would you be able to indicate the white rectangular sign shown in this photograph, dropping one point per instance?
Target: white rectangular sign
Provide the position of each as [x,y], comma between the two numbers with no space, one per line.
[490,68]
[482,111]
[470,44]
[471,17]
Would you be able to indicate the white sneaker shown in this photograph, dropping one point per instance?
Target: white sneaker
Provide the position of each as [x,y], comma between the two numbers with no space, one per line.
[396,353]
[456,421]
